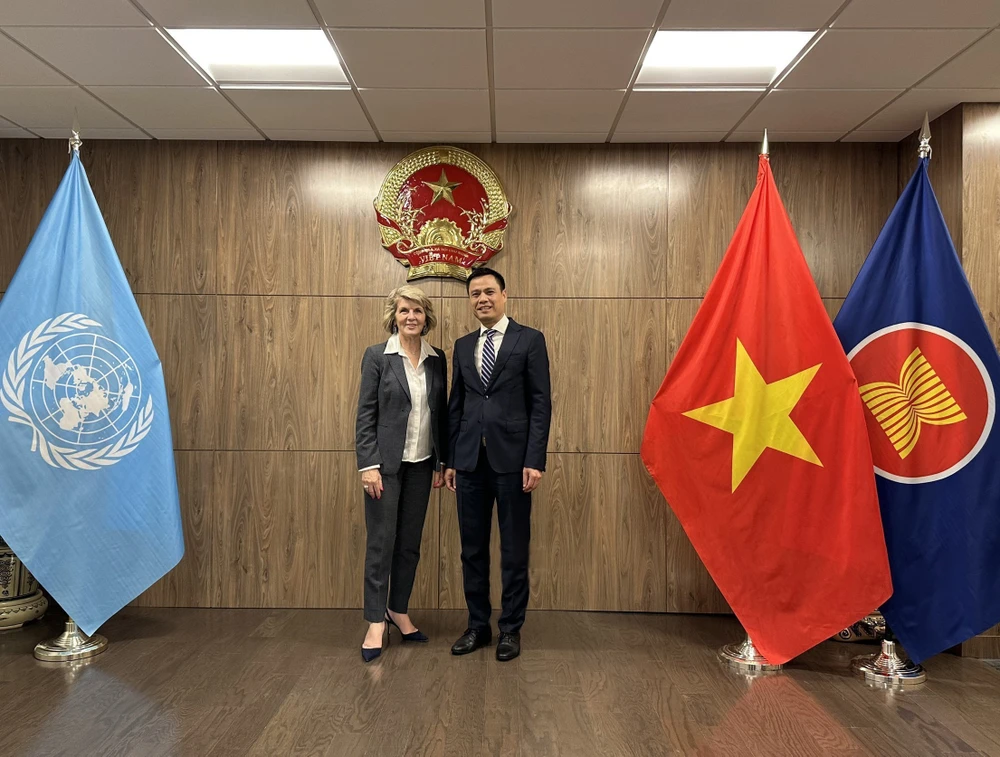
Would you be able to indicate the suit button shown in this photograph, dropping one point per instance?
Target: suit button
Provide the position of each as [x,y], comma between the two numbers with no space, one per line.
[487,396]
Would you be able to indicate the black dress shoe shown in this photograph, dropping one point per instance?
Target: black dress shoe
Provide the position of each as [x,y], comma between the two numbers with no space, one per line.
[471,640]
[508,646]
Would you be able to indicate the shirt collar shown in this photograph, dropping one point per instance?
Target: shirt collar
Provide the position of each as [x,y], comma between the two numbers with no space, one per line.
[501,326]
[393,347]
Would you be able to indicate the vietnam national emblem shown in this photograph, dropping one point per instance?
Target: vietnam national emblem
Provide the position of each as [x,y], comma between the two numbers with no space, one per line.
[441,211]
[79,391]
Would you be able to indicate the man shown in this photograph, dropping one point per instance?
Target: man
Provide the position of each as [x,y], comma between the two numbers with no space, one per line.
[498,415]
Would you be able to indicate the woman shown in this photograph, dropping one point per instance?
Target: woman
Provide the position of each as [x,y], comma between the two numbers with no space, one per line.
[401,428]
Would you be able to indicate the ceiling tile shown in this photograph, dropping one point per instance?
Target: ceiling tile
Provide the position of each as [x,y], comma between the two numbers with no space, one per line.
[173,107]
[566,59]
[437,138]
[322,109]
[63,13]
[207,134]
[321,135]
[908,111]
[785,136]
[920,14]
[12,131]
[433,110]
[548,137]
[109,56]
[741,14]
[816,110]
[977,67]
[594,14]
[222,14]
[404,14]
[669,136]
[656,112]
[877,136]
[875,59]
[441,59]
[18,66]
[89,134]
[553,110]
[54,107]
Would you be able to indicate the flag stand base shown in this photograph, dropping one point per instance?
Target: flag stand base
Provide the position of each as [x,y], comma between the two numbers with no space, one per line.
[887,668]
[71,644]
[746,658]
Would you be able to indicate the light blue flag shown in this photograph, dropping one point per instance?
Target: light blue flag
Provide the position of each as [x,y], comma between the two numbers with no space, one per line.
[88,492]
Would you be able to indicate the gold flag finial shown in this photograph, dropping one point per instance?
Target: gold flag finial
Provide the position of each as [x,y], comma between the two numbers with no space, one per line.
[924,149]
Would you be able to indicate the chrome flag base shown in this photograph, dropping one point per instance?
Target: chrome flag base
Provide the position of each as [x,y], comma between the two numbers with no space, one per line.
[887,668]
[71,644]
[746,658]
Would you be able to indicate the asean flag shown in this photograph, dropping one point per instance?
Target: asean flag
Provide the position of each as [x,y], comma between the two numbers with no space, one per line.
[757,439]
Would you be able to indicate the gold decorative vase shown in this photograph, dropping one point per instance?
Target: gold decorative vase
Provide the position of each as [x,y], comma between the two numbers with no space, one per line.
[21,600]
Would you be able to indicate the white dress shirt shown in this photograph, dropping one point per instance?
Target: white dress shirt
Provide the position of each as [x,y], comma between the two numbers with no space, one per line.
[501,329]
[418,445]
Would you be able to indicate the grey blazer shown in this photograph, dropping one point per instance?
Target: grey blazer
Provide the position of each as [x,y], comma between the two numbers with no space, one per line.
[384,408]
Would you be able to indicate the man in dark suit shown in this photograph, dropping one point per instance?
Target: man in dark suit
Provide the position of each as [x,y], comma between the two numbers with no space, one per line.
[498,414]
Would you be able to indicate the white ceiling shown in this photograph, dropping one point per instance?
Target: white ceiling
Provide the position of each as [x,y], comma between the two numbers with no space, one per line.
[492,70]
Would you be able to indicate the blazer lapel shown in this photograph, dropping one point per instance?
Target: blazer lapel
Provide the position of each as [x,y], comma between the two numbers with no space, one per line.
[396,361]
[506,347]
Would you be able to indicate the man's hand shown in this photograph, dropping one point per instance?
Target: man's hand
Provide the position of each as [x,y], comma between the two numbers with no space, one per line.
[530,479]
[449,478]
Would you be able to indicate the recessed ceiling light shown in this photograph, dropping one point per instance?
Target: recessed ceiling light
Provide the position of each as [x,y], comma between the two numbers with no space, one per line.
[720,57]
[262,55]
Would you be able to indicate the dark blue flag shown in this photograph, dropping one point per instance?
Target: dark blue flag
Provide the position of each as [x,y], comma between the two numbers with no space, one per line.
[927,369]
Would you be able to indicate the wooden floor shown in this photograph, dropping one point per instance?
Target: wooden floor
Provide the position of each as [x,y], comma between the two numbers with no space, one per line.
[291,682]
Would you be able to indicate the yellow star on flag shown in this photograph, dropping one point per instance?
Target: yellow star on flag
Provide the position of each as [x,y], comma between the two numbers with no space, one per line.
[442,188]
[757,415]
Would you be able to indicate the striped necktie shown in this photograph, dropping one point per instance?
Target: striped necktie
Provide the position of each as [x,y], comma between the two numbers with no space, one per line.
[489,356]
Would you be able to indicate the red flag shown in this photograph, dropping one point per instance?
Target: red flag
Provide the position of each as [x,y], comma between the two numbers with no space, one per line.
[757,439]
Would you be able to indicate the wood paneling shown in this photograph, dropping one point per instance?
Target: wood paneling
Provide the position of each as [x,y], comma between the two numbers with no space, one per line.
[261,278]
[194,582]
[981,209]
[587,222]
[597,540]
[606,361]
[161,209]
[298,219]
[289,370]
[837,196]
[184,331]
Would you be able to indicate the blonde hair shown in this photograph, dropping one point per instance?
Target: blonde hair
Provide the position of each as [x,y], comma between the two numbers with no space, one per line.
[413,294]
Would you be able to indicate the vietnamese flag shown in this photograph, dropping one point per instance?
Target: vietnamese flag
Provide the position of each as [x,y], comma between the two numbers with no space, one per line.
[757,439]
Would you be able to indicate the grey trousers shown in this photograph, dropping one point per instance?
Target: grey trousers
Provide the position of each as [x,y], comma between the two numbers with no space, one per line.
[395,523]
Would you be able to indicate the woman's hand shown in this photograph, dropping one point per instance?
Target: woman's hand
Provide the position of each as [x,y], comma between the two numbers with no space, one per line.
[438,479]
[372,481]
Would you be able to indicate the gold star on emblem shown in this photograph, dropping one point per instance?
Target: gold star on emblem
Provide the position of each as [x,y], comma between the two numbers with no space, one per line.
[442,188]
[757,415]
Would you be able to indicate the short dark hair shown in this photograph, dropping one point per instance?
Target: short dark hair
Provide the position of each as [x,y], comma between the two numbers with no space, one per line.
[478,273]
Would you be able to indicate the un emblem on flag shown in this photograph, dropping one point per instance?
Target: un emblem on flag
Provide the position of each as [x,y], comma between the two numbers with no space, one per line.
[79,391]
[929,401]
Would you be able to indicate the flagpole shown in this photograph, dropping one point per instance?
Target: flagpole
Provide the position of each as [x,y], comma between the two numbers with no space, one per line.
[888,668]
[72,644]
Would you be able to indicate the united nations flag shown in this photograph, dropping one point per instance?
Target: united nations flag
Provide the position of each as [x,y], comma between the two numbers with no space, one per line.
[88,492]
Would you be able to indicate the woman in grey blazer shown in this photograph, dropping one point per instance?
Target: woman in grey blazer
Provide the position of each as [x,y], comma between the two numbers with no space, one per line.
[402,426]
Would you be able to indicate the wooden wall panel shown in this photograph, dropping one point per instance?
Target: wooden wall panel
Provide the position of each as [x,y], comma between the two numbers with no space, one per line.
[594,346]
[981,209]
[289,370]
[193,583]
[184,331]
[297,218]
[597,541]
[587,222]
[160,206]
[837,197]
